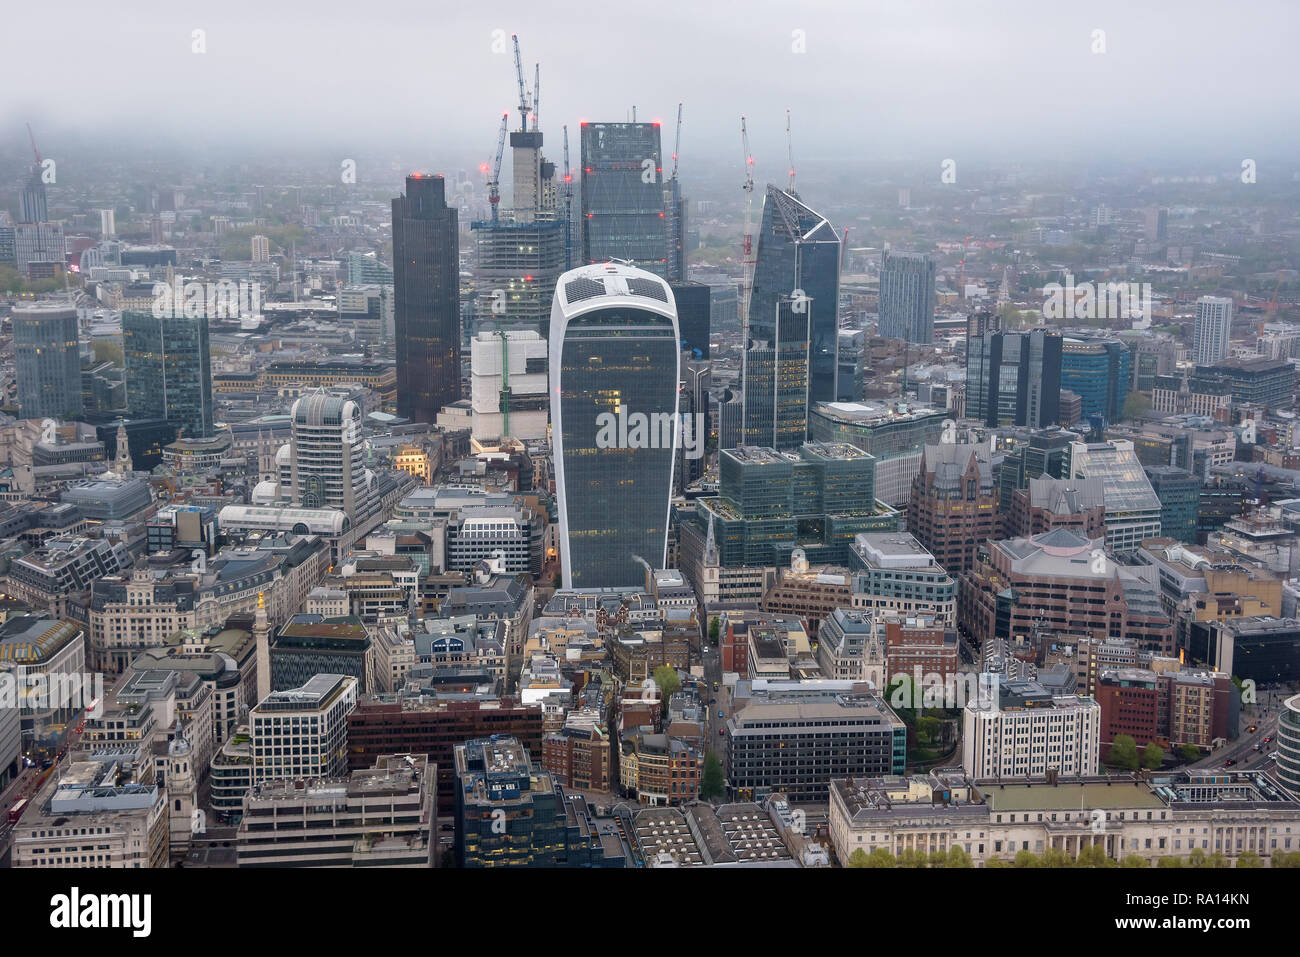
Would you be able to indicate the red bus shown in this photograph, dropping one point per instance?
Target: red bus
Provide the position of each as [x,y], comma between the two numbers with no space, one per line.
[16,811]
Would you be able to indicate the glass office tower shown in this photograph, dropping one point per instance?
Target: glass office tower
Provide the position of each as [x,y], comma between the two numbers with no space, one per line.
[1097,369]
[614,391]
[426,299]
[168,370]
[623,212]
[46,361]
[775,376]
[799,253]
[1014,378]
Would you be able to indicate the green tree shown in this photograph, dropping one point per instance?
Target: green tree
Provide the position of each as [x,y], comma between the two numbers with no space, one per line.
[857,859]
[711,782]
[879,857]
[1135,860]
[995,862]
[1153,756]
[1094,855]
[927,728]
[1026,859]
[666,681]
[1123,753]
[938,859]
[911,857]
[1286,859]
[957,857]
[1190,752]
[1135,405]
[1249,859]
[1196,858]
[1170,862]
[1055,857]
[715,627]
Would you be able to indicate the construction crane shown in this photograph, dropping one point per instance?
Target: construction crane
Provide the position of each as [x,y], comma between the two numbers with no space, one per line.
[494,184]
[677,141]
[568,205]
[523,90]
[747,249]
[679,254]
[746,289]
[789,152]
[505,387]
[35,151]
[537,92]
[844,247]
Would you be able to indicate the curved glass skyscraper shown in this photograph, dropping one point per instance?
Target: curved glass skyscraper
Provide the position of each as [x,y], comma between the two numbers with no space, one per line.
[614,426]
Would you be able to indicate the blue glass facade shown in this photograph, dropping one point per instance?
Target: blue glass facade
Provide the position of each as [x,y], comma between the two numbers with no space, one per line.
[1098,370]
[168,370]
[623,211]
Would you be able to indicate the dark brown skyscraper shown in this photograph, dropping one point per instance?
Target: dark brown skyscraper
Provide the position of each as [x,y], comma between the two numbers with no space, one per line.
[426,308]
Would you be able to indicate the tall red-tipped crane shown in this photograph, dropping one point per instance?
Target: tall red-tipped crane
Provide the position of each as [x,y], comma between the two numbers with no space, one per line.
[494,184]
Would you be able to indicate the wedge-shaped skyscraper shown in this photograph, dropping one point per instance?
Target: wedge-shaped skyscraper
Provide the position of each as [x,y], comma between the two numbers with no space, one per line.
[792,356]
[614,425]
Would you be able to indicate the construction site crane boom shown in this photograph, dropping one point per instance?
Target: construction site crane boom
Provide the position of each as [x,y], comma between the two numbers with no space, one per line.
[537,93]
[677,140]
[748,245]
[523,90]
[494,184]
[35,151]
[568,205]
[789,151]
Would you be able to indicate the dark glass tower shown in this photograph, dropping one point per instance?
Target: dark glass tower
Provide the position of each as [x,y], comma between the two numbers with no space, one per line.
[426,299]
[623,210]
[614,390]
[1014,378]
[798,260]
[46,362]
[32,204]
[694,303]
[168,370]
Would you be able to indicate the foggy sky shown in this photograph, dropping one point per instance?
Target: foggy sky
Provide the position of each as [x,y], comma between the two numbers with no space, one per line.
[951,78]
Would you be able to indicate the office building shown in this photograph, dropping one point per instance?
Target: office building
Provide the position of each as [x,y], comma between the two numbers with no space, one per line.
[380,816]
[793,740]
[1132,508]
[311,644]
[615,368]
[623,212]
[893,432]
[907,297]
[46,361]
[1060,581]
[1097,368]
[694,309]
[953,508]
[1288,745]
[508,385]
[326,458]
[519,261]
[1014,378]
[774,378]
[169,369]
[1179,492]
[772,504]
[1266,382]
[1029,731]
[892,573]
[261,249]
[798,259]
[1213,324]
[1048,503]
[426,310]
[1262,648]
[39,250]
[303,732]
[33,206]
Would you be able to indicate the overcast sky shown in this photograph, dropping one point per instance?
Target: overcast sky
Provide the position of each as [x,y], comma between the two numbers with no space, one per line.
[948,78]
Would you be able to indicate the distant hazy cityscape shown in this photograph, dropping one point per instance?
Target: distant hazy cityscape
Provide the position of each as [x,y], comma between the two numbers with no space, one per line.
[590,501]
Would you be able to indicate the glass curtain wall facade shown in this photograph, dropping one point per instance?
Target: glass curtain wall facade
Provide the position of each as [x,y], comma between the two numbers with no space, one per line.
[906,297]
[623,214]
[168,370]
[1014,378]
[426,308]
[775,387]
[799,259]
[46,362]
[614,381]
